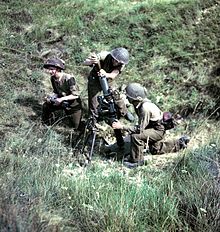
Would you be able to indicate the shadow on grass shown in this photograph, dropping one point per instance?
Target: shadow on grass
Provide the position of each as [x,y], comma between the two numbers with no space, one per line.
[31,103]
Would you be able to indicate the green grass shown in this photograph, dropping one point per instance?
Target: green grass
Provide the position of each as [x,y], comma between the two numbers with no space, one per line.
[106,197]
[174,48]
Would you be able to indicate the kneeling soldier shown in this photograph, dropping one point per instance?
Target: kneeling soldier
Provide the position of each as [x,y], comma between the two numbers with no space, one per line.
[65,94]
[150,129]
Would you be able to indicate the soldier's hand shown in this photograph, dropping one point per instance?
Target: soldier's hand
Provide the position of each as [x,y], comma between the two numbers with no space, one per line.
[58,101]
[47,99]
[50,98]
[102,73]
[117,125]
[94,58]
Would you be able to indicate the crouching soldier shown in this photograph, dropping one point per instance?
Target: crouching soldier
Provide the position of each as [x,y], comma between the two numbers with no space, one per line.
[150,129]
[108,64]
[65,94]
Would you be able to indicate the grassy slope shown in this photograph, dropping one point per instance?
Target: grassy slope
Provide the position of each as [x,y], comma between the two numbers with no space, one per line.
[174,47]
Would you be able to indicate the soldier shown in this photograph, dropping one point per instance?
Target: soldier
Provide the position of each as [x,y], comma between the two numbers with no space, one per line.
[65,94]
[110,65]
[150,129]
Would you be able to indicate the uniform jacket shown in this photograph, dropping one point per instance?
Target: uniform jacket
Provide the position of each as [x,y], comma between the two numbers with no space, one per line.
[149,116]
[66,86]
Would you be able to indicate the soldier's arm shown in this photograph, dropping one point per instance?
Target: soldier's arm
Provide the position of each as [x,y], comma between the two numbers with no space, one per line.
[130,129]
[73,89]
[112,75]
[95,58]
[144,118]
[68,97]
[92,59]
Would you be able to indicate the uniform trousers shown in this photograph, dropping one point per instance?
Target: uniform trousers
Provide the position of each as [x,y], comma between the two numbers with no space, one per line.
[74,113]
[154,139]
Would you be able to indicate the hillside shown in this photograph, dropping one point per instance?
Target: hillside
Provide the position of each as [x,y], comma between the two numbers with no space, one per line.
[174,52]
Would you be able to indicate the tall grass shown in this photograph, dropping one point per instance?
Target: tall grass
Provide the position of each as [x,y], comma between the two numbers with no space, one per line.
[174,47]
[108,197]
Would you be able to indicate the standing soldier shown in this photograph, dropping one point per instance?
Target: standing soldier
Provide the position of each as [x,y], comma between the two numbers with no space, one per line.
[110,65]
[150,128]
[65,94]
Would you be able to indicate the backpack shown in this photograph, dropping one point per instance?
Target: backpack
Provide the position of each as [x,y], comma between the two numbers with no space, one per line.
[168,121]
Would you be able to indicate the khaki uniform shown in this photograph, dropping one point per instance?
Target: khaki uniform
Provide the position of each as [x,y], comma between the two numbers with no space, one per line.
[66,86]
[94,87]
[150,131]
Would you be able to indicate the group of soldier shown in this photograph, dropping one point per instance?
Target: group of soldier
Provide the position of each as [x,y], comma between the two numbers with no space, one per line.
[66,96]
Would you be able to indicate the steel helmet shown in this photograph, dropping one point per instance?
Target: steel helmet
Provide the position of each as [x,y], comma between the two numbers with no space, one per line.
[121,55]
[135,90]
[55,62]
